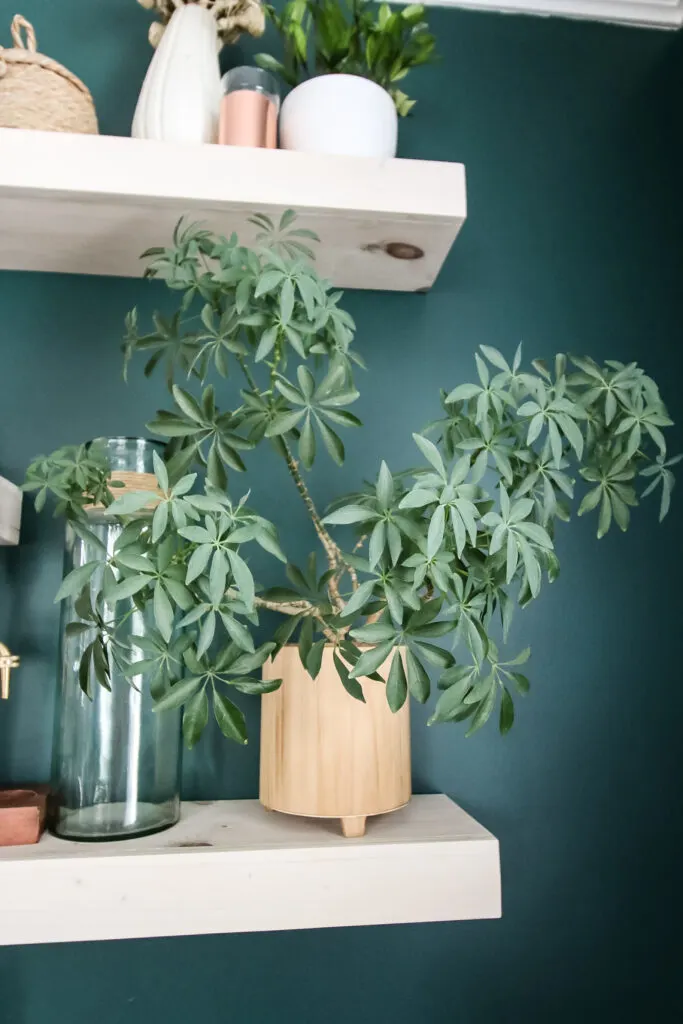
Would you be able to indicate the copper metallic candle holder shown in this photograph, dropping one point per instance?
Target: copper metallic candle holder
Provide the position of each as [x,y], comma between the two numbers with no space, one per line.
[249,109]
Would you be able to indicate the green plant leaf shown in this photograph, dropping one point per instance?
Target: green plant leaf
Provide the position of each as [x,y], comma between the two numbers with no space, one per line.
[605,518]
[128,587]
[397,687]
[159,521]
[230,719]
[590,500]
[198,562]
[521,658]
[434,654]
[76,580]
[385,487]
[160,471]
[435,533]
[247,663]
[352,686]
[463,393]
[483,712]
[163,612]
[418,680]
[431,453]
[130,503]
[374,632]
[307,443]
[217,577]
[239,633]
[84,669]
[507,712]
[377,542]
[77,628]
[243,578]
[286,301]
[195,718]
[333,443]
[371,660]
[350,514]
[521,682]
[284,422]
[100,663]
[305,639]
[256,687]
[178,694]
[314,658]
[206,634]
[450,703]
[188,405]
[358,599]
[283,633]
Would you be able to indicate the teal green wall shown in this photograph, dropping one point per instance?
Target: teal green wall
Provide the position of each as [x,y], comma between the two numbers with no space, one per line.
[571,135]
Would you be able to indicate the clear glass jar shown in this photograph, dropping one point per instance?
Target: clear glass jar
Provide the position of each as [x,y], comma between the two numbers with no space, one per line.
[116,764]
[249,108]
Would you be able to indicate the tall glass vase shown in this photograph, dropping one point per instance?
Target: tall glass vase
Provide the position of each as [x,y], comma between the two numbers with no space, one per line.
[116,764]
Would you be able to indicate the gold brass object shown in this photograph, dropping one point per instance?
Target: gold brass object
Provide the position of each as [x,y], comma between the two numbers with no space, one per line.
[7,662]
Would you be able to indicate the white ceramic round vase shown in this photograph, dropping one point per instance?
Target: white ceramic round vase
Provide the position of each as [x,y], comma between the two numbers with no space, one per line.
[341,114]
[180,97]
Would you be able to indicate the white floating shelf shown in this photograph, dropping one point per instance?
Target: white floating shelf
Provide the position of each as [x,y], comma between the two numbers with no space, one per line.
[88,204]
[234,867]
[10,510]
[653,13]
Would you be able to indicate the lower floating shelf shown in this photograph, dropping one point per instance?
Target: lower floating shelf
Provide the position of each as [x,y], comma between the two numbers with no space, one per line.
[231,866]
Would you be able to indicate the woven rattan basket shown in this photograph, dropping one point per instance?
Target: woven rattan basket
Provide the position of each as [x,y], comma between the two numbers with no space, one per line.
[37,92]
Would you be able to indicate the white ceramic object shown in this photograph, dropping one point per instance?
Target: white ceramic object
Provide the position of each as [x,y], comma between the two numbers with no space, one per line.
[180,97]
[10,512]
[341,114]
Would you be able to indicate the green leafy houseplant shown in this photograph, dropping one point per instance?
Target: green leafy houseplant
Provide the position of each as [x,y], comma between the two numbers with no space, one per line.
[437,553]
[327,37]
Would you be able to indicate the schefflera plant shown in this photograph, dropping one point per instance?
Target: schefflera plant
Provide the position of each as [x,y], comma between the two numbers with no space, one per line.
[437,553]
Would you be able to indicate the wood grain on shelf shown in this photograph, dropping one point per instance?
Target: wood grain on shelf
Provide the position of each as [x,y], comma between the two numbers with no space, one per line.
[234,867]
[92,204]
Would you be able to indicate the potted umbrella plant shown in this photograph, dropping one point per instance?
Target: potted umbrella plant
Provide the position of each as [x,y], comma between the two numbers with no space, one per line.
[346,62]
[421,570]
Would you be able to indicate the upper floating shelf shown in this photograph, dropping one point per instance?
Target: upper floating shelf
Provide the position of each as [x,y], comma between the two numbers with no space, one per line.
[89,204]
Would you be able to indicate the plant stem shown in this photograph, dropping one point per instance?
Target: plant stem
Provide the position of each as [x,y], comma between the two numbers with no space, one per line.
[332,551]
[334,556]
[298,608]
[247,373]
[285,607]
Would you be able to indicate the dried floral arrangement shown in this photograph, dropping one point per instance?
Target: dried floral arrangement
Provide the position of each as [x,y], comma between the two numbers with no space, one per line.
[233,17]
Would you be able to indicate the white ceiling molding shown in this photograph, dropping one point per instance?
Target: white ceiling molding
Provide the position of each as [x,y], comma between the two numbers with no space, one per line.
[653,13]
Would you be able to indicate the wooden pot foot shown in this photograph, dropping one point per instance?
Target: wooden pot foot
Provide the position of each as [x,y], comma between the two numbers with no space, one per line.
[353,827]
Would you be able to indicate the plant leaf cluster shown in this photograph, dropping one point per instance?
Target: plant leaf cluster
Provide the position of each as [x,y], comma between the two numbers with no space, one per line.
[354,38]
[421,565]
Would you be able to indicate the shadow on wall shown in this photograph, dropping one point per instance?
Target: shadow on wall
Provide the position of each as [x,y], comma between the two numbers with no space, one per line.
[12,995]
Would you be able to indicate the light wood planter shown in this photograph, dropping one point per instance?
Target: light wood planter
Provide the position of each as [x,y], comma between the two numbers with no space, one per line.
[325,754]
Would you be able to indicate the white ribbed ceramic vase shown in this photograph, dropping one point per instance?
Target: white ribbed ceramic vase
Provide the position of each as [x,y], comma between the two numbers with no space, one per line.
[180,97]
[341,114]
